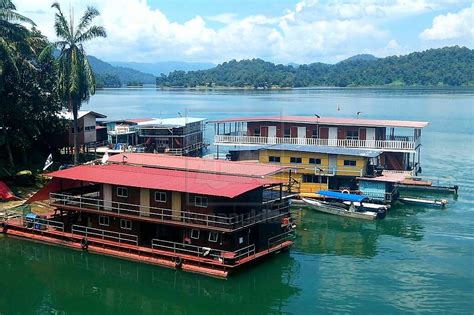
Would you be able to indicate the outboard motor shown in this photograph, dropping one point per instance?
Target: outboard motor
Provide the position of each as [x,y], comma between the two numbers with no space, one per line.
[381,213]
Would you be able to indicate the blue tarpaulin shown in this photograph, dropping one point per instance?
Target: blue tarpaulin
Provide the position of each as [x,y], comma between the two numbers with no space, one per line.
[338,195]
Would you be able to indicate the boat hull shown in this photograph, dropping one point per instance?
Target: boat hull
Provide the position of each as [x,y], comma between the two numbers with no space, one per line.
[329,209]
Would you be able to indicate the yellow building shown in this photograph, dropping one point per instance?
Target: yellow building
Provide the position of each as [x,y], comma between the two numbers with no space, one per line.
[315,168]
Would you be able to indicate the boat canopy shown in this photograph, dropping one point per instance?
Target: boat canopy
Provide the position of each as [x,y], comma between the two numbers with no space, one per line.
[342,196]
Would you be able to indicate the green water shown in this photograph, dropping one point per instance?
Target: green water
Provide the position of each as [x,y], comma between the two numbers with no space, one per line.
[418,260]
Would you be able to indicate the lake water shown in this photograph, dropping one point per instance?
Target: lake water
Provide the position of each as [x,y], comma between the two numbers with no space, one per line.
[418,260]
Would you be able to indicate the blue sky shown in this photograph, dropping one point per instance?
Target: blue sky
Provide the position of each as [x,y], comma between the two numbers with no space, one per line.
[283,31]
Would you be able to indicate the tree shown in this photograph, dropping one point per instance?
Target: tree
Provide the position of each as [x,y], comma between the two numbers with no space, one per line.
[76,82]
[14,38]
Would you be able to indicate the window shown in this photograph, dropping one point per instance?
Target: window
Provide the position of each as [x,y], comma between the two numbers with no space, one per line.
[311,178]
[352,135]
[89,128]
[160,196]
[200,201]
[274,159]
[287,133]
[213,236]
[350,163]
[122,192]
[256,132]
[314,161]
[105,221]
[315,133]
[295,160]
[125,224]
[195,234]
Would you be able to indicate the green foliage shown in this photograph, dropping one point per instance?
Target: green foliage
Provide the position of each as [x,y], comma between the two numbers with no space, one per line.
[76,81]
[125,75]
[30,106]
[14,37]
[135,84]
[107,81]
[450,66]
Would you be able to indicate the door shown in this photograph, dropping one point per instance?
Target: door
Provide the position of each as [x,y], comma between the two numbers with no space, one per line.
[176,205]
[107,197]
[332,164]
[301,135]
[332,136]
[145,202]
[272,132]
[370,137]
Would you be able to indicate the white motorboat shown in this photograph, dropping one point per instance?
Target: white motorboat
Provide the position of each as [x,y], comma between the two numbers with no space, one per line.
[347,205]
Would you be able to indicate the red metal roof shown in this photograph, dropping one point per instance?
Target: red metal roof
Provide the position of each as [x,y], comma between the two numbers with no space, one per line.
[138,120]
[162,179]
[329,121]
[251,169]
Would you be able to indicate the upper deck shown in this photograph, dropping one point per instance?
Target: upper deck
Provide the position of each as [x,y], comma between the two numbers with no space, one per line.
[189,199]
[385,135]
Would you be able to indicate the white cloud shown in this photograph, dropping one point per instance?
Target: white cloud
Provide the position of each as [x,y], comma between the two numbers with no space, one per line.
[310,31]
[451,26]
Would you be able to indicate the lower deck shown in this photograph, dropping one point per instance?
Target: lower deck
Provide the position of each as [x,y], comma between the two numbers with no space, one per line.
[199,259]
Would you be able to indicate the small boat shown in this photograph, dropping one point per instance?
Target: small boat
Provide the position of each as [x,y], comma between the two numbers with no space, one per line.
[337,206]
[418,201]
[368,206]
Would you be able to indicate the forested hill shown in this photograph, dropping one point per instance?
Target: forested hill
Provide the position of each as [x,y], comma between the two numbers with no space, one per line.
[452,66]
[107,75]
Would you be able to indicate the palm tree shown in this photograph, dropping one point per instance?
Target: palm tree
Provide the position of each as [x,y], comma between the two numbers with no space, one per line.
[76,81]
[13,35]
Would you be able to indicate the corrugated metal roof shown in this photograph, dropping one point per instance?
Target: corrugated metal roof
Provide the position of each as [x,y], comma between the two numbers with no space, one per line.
[314,149]
[80,114]
[197,164]
[329,121]
[170,122]
[161,179]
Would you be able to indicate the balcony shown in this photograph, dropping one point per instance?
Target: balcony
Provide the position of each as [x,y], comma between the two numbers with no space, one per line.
[215,222]
[392,144]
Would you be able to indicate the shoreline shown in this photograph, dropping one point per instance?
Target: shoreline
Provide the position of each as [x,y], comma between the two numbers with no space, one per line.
[223,88]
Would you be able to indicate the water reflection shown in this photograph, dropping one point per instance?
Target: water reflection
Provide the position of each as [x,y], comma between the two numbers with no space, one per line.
[53,280]
[319,233]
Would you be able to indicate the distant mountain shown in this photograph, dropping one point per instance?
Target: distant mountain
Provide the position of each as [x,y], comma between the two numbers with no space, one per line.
[165,67]
[451,66]
[361,57]
[108,75]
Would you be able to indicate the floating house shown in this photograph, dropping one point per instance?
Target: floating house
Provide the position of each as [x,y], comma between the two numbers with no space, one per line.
[315,168]
[175,136]
[86,129]
[199,221]
[399,141]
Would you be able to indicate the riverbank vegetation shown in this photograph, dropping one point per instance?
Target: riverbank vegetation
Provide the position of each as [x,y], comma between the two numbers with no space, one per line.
[448,66]
[35,86]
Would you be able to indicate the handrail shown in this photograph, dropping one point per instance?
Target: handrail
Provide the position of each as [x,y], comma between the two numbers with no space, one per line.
[164,214]
[347,143]
[182,248]
[202,251]
[280,238]
[43,222]
[104,234]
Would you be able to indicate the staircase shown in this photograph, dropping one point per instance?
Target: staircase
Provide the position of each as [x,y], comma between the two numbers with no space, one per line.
[392,163]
